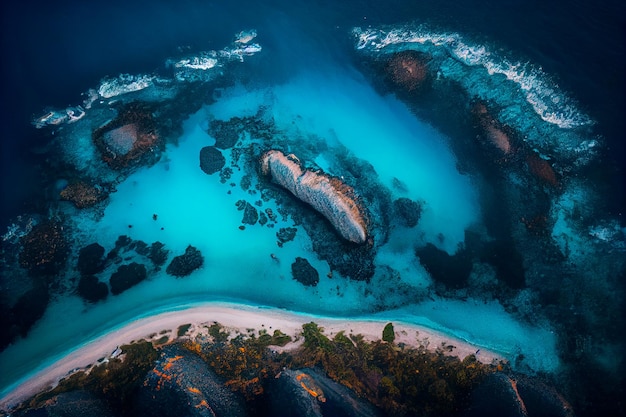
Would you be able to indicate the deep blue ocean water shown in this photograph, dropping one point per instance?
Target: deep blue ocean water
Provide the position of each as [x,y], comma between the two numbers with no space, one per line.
[54,52]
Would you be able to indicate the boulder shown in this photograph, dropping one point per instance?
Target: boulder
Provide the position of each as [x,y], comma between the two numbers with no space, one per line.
[181,384]
[127,276]
[185,264]
[211,160]
[304,273]
[328,195]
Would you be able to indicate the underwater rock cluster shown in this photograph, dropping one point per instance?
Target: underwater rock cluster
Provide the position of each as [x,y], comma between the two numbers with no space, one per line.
[331,197]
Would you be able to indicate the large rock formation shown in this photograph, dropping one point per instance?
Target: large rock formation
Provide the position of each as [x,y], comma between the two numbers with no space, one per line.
[328,195]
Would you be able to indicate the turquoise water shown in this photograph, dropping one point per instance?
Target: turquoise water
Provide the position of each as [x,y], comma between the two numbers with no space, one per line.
[321,92]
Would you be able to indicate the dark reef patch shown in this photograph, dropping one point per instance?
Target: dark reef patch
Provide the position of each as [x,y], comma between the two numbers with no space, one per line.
[185,264]
[44,249]
[250,213]
[91,259]
[304,272]
[407,212]
[127,276]
[92,289]
[158,254]
[211,160]
[450,270]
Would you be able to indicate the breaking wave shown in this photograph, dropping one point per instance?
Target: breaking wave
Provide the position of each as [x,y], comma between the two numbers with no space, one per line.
[552,105]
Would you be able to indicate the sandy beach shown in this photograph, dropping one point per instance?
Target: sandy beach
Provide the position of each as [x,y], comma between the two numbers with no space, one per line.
[234,318]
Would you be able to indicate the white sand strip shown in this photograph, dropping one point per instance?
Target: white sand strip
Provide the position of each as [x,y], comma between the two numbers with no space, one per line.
[234,317]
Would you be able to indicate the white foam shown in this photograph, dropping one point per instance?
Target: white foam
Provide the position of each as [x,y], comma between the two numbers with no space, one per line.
[551,105]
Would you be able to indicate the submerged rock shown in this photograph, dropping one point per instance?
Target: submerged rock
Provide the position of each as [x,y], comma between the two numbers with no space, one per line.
[91,259]
[158,254]
[211,160]
[328,195]
[407,211]
[131,139]
[250,213]
[185,264]
[286,234]
[127,276]
[304,273]
[92,289]
[181,384]
[450,270]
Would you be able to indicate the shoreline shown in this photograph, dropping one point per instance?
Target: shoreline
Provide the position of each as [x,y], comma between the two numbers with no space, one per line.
[234,318]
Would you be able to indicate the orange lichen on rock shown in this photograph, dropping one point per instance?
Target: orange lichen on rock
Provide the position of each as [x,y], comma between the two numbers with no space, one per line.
[194,390]
[310,386]
[331,197]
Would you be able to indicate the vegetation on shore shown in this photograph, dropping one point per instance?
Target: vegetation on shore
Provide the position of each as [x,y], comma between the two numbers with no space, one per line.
[399,379]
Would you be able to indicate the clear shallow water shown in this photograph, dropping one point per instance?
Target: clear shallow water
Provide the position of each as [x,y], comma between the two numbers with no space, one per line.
[310,81]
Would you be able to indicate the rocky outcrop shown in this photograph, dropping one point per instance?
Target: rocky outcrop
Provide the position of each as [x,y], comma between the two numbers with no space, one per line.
[185,264]
[127,276]
[131,139]
[181,384]
[211,160]
[304,273]
[328,195]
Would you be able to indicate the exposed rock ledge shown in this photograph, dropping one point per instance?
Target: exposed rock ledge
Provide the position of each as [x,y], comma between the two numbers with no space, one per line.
[328,195]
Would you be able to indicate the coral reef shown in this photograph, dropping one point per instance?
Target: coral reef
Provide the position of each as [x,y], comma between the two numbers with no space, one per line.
[407,212]
[185,264]
[44,249]
[250,213]
[304,272]
[92,289]
[127,276]
[82,194]
[211,160]
[91,259]
[328,195]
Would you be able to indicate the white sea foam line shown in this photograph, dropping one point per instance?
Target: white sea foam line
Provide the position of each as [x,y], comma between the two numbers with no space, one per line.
[234,317]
